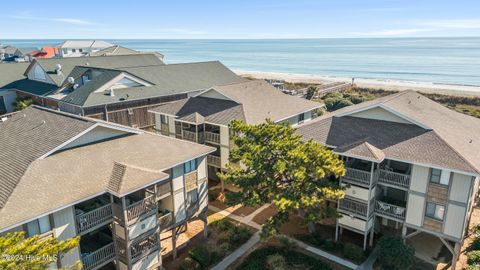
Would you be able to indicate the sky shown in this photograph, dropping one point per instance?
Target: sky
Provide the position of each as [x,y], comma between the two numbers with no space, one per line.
[242,19]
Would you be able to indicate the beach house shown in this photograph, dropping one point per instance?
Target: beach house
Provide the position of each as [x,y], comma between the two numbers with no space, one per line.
[204,118]
[117,187]
[115,88]
[412,169]
[76,48]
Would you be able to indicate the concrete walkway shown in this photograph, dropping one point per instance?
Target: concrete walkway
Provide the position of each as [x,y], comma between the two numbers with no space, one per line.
[256,238]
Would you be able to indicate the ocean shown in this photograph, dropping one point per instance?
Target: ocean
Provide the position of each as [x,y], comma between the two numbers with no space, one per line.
[438,60]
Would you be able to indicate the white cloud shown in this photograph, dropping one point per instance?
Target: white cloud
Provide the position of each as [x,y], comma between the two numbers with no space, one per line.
[27,15]
[453,24]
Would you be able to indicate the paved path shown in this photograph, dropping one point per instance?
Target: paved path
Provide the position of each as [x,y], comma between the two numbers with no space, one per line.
[256,237]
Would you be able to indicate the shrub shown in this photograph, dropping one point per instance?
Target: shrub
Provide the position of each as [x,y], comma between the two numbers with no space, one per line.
[357,99]
[22,103]
[475,245]
[333,95]
[276,262]
[353,252]
[330,245]
[473,257]
[223,224]
[287,244]
[394,254]
[201,254]
[239,235]
[333,104]
[189,264]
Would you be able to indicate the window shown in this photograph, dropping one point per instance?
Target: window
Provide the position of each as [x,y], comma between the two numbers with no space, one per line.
[301,117]
[65,51]
[74,50]
[190,165]
[164,119]
[80,50]
[436,177]
[435,211]
[38,226]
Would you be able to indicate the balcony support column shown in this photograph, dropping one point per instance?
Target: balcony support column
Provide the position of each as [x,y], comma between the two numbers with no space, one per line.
[372,233]
[336,231]
[365,236]
[203,217]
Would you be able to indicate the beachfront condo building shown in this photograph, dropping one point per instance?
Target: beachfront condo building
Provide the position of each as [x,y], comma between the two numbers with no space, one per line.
[412,169]
[204,118]
[114,88]
[117,187]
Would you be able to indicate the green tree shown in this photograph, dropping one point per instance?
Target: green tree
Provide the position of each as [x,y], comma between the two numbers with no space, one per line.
[277,167]
[22,103]
[394,254]
[312,89]
[18,252]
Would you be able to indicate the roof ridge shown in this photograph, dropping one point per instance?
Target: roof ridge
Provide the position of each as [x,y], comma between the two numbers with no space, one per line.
[373,150]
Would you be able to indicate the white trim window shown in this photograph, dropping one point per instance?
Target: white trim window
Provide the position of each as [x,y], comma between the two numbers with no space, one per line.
[436,177]
[163,119]
[435,211]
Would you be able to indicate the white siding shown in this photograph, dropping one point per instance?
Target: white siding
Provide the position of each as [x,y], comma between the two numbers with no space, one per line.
[177,177]
[9,97]
[460,187]
[202,168]
[64,228]
[179,203]
[415,205]
[31,74]
[357,192]
[158,125]
[353,222]
[147,262]
[224,148]
[142,226]
[454,220]
[97,134]
[380,114]
[203,194]
[419,179]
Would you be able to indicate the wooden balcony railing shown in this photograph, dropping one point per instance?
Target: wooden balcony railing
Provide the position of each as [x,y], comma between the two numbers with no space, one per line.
[189,135]
[212,137]
[99,257]
[390,210]
[214,161]
[94,218]
[163,189]
[141,207]
[191,180]
[165,221]
[393,178]
[353,207]
[357,176]
[144,246]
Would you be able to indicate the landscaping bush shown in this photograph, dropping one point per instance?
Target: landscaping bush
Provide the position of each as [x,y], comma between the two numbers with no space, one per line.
[394,254]
[333,104]
[189,264]
[287,244]
[473,257]
[276,262]
[239,235]
[353,252]
[223,224]
[475,245]
[201,254]
[330,245]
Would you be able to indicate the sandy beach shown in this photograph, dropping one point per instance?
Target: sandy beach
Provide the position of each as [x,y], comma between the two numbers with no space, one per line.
[396,85]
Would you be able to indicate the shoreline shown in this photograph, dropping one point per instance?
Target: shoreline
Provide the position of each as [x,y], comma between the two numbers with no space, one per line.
[386,84]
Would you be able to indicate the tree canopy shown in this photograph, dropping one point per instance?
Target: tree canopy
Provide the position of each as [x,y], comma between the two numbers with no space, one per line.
[271,164]
[18,252]
[394,254]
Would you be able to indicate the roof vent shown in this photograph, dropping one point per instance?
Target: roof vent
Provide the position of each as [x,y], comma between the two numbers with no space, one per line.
[75,86]
[70,80]
[112,94]
[58,69]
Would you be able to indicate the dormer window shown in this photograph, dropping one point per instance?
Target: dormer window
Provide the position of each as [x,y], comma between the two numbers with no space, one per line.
[38,73]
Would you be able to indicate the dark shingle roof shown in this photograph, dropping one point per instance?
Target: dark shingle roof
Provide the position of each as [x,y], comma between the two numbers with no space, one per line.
[32,86]
[28,135]
[11,72]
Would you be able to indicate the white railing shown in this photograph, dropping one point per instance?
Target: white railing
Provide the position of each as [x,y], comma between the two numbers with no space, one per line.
[139,208]
[94,218]
[357,176]
[393,178]
[212,137]
[189,135]
[165,221]
[144,246]
[214,161]
[99,257]
[390,210]
[353,207]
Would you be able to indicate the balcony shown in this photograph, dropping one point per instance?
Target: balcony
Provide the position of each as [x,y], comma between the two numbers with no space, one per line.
[94,219]
[144,247]
[390,210]
[212,137]
[189,135]
[394,178]
[353,207]
[165,221]
[214,161]
[163,190]
[357,176]
[140,208]
[191,180]
[99,257]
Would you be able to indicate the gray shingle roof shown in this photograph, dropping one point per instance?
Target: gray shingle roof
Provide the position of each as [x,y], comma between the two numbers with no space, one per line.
[114,50]
[166,79]
[113,61]
[11,72]
[449,140]
[28,135]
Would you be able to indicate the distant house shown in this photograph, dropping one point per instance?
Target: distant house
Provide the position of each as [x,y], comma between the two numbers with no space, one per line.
[204,118]
[117,88]
[45,52]
[7,51]
[76,48]
[120,50]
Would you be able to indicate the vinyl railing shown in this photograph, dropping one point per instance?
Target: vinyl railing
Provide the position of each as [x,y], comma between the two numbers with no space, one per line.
[99,257]
[393,178]
[212,137]
[214,161]
[353,207]
[390,210]
[189,135]
[94,218]
[357,176]
[139,208]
